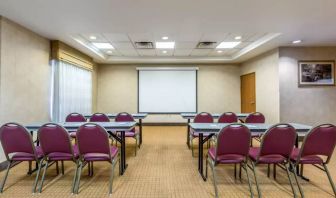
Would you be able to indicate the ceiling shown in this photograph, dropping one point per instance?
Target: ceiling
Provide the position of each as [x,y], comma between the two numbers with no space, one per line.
[263,25]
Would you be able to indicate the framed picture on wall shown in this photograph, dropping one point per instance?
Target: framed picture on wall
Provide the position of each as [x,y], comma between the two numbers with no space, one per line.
[316,73]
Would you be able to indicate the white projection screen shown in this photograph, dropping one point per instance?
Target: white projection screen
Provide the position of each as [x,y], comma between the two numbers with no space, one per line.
[167,90]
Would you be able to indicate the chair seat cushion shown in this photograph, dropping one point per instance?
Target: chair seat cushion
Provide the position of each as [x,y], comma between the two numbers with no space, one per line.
[309,159]
[265,159]
[22,156]
[101,156]
[129,133]
[227,158]
[58,156]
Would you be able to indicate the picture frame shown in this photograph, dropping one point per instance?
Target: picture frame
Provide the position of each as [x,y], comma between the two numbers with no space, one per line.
[316,73]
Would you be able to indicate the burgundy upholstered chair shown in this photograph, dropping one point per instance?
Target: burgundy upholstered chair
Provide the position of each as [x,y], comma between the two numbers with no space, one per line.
[228,117]
[255,117]
[276,147]
[317,149]
[93,145]
[99,117]
[233,143]
[134,133]
[74,117]
[55,151]
[18,147]
[199,118]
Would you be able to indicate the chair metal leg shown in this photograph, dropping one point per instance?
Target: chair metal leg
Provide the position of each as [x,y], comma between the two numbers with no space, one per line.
[268,170]
[78,177]
[235,171]
[248,178]
[74,179]
[136,145]
[111,176]
[192,147]
[62,166]
[37,176]
[240,170]
[256,180]
[214,179]
[290,180]
[206,166]
[5,177]
[274,171]
[330,179]
[296,180]
[43,176]
[89,168]
[57,168]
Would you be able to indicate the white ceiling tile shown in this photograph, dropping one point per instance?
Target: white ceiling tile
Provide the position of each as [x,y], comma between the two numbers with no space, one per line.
[215,37]
[200,52]
[128,52]
[161,52]
[182,52]
[99,37]
[255,37]
[158,37]
[138,37]
[123,45]
[146,52]
[116,37]
[114,52]
[185,45]
[189,37]
[215,53]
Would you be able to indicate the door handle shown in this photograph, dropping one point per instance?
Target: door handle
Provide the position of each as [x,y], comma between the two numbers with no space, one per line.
[252,102]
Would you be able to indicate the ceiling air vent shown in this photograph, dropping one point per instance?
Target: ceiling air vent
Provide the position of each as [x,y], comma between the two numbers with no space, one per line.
[206,45]
[144,45]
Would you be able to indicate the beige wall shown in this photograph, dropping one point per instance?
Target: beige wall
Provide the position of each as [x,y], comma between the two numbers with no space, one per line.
[218,90]
[310,105]
[24,75]
[266,70]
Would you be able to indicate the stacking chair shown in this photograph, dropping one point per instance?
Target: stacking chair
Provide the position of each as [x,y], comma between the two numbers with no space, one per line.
[93,145]
[99,117]
[74,117]
[255,117]
[199,118]
[228,117]
[232,147]
[276,147]
[55,151]
[317,149]
[18,147]
[134,133]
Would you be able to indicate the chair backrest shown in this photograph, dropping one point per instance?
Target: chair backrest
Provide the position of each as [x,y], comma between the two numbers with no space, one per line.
[92,138]
[203,118]
[233,139]
[124,117]
[54,138]
[99,117]
[15,138]
[279,139]
[228,117]
[75,117]
[255,117]
[321,140]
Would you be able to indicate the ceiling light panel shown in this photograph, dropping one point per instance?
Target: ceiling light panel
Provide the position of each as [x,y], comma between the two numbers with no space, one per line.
[165,45]
[228,45]
[103,45]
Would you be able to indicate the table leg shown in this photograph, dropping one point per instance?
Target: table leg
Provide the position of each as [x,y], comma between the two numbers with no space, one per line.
[123,153]
[140,131]
[298,171]
[188,137]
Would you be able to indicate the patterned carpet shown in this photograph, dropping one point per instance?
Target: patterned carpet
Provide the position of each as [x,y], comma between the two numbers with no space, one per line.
[163,168]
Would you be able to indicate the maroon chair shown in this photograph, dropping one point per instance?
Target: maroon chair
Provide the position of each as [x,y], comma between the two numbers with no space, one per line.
[233,143]
[276,147]
[99,117]
[255,117]
[18,147]
[134,133]
[94,146]
[55,151]
[199,118]
[75,117]
[317,149]
[228,117]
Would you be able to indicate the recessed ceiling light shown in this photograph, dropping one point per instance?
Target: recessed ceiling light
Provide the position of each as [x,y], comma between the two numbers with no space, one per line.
[296,41]
[219,51]
[164,51]
[165,45]
[238,37]
[109,52]
[93,37]
[224,45]
[165,38]
[103,45]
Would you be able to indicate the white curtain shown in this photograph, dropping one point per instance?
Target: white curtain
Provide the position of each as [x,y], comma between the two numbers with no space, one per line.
[71,90]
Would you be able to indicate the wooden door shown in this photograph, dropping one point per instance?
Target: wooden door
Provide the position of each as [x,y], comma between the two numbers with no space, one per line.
[247,92]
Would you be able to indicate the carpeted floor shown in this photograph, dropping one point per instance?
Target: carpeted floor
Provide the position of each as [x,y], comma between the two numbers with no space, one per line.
[163,168]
